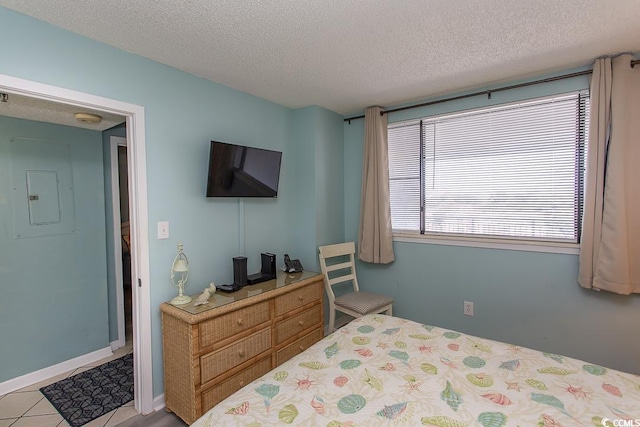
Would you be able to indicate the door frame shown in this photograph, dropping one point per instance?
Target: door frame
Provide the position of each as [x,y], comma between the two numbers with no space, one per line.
[139,217]
[114,143]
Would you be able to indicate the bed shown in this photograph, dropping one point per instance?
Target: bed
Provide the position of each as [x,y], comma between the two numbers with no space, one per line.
[382,370]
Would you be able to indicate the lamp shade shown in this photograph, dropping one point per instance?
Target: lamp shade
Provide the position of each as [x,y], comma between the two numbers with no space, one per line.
[180,266]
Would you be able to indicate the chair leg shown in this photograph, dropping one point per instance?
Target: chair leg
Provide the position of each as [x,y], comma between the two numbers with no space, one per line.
[389,311]
[332,320]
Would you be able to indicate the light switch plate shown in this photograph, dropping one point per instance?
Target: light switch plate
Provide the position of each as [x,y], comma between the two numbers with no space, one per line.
[163,230]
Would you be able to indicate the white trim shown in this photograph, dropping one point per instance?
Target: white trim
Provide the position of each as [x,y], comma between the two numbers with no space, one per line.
[504,244]
[52,371]
[158,402]
[143,389]
[114,142]
[140,274]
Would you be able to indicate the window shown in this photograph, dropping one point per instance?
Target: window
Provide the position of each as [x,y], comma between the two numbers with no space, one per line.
[514,171]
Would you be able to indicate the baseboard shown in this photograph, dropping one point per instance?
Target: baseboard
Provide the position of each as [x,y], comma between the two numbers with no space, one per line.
[119,343]
[51,371]
[158,402]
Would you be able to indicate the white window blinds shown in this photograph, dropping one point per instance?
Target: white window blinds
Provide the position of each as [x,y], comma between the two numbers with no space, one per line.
[512,171]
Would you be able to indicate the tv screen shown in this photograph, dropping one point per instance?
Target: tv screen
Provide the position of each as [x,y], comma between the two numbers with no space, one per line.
[240,171]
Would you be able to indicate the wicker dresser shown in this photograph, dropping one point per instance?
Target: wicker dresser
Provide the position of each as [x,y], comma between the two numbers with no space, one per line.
[211,351]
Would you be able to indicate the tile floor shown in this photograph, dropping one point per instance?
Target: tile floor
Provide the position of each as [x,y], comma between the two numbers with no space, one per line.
[28,407]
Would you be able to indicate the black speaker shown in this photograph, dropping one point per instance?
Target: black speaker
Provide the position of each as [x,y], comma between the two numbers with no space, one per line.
[268,265]
[240,270]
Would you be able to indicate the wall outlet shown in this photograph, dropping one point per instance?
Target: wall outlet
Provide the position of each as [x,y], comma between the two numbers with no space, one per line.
[468,308]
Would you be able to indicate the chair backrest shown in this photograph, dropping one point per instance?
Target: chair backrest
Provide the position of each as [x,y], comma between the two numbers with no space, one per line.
[337,270]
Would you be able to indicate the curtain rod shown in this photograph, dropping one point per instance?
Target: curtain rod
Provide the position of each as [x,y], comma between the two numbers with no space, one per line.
[484,92]
[487,92]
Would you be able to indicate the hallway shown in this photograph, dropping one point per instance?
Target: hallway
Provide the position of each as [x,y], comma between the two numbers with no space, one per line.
[28,407]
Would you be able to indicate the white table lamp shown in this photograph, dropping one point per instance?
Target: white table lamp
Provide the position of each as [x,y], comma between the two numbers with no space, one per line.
[179,276]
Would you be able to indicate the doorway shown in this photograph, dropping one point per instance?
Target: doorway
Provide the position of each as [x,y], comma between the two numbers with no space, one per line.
[139,250]
[125,239]
[121,240]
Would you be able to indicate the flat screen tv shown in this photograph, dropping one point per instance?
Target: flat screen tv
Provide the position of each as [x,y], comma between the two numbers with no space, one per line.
[240,171]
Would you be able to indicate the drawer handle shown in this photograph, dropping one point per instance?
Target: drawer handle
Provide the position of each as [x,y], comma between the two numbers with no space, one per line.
[300,297]
[240,322]
[241,353]
[301,323]
[241,383]
[301,348]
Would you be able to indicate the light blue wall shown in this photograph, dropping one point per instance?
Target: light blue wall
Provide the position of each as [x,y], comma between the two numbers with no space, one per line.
[530,299]
[303,136]
[183,113]
[54,288]
[329,180]
[318,136]
[111,279]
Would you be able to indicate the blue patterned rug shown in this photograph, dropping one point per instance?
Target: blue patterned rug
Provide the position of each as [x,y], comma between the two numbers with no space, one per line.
[90,394]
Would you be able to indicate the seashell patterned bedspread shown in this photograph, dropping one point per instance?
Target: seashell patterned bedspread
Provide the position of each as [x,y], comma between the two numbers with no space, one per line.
[381,370]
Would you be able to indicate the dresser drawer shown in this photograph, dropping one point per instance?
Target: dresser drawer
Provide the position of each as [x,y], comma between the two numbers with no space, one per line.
[219,392]
[217,362]
[297,298]
[298,323]
[218,328]
[298,346]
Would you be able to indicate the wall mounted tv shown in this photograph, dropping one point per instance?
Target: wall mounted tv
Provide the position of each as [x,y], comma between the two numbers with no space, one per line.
[240,171]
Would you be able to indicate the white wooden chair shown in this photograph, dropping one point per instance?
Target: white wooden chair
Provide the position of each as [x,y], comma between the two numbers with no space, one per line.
[356,303]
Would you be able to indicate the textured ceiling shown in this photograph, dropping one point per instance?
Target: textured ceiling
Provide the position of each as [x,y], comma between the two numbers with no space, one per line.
[346,55]
[23,107]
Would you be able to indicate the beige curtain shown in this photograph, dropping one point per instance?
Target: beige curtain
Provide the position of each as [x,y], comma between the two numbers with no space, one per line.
[375,240]
[610,246]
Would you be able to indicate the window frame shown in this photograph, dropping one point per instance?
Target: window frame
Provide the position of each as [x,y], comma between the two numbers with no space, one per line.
[529,244]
